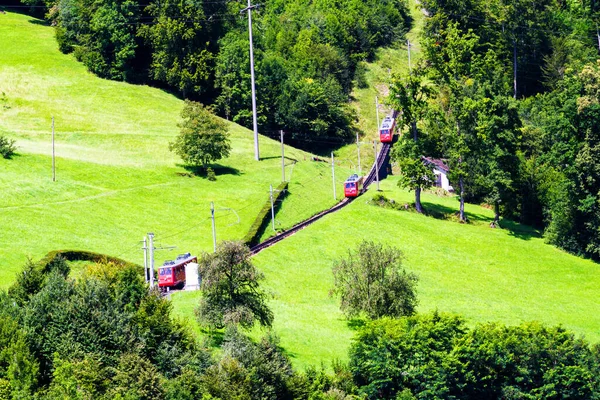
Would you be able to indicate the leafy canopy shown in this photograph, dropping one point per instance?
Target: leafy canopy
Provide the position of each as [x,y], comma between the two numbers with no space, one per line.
[371,280]
[230,288]
[203,138]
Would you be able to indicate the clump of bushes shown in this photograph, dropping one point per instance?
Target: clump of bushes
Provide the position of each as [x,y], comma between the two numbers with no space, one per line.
[7,147]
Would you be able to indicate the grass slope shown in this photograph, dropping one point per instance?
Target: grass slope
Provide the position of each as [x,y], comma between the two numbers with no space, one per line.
[481,273]
[116,179]
[508,275]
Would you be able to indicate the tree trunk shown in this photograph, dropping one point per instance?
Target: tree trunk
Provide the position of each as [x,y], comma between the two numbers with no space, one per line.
[462,200]
[418,205]
[413,128]
[496,222]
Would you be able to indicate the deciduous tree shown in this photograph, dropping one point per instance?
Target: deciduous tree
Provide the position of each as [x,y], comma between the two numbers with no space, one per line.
[231,290]
[371,281]
[203,138]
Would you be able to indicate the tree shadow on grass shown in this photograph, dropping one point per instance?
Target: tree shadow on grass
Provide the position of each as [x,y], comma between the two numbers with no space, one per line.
[275,157]
[39,22]
[515,229]
[218,168]
[439,211]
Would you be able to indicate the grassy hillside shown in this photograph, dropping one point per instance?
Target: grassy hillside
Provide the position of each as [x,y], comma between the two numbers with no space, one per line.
[116,179]
[388,61]
[482,273]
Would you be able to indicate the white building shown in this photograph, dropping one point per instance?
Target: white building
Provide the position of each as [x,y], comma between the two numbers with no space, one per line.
[440,169]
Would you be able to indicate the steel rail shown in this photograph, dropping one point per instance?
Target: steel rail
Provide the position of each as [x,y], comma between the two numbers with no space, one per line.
[385,149]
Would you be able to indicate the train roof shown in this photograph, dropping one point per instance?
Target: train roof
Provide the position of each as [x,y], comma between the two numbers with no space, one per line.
[180,258]
[354,178]
[387,123]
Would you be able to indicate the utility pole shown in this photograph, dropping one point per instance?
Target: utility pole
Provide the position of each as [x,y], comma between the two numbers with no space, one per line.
[333,176]
[254,119]
[376,164]
[272,208]
[598,35]
[377,111]
[145,248]
[214,231]
[151,248]
[409,65]
[53,154]
[358,150]
[282,158]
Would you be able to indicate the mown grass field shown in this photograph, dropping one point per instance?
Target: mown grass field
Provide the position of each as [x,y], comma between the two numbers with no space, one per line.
[481,273]
[116,179]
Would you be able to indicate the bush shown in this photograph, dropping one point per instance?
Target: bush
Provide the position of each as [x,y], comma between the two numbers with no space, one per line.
[230,289]
[260,223]
[371,281]
[7,147]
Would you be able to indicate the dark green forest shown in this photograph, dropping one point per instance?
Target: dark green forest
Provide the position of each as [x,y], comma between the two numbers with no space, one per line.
[306,53]
[507,93]
[104,335]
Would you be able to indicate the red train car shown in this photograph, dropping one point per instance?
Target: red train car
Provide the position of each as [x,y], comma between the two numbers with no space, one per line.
[386,131]
[353,186]
[172,273]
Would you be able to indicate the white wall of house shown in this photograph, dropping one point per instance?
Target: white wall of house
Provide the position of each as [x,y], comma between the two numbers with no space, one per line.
[442,180]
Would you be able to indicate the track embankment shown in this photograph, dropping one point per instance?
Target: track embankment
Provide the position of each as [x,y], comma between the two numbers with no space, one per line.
[371,177]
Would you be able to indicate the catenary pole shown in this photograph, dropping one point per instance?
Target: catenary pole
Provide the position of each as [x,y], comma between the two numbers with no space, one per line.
[358,150]
[282,158]
[376,164]
[409,65]
[333,176]
[214,231]
[151,248]
[254,117]
[53,155]
[145,248]
[377,111]
[272,207]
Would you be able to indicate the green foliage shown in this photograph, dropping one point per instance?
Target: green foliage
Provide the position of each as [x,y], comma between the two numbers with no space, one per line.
[262,219]
[203,138]
[411,94]
[436,356]
[415,174]
[230,289]
[181,55]
[371,281]
[7,147]
[389,356]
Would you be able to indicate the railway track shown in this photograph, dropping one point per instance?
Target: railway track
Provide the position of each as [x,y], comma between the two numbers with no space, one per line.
[381,156]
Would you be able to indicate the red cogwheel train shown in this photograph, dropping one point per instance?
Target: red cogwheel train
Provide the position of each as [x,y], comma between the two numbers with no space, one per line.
[172,273]
[386,131]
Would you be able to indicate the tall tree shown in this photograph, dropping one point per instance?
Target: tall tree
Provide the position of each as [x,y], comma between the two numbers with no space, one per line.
[231,290]
[181,55]
[409,95]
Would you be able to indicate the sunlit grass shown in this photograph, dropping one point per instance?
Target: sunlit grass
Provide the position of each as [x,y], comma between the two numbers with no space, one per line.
[116,179]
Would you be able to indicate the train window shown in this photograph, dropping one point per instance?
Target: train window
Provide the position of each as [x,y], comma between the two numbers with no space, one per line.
[349,185]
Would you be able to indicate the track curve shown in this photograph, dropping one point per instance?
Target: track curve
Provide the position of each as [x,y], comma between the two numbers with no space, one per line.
[381,157]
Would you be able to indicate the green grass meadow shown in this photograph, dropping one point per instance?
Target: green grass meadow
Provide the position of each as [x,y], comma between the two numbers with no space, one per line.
[116,179]
[484,274]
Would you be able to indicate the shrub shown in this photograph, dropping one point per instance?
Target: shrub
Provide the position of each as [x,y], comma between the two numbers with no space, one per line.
[371,281]
[7,147]
[262,219]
